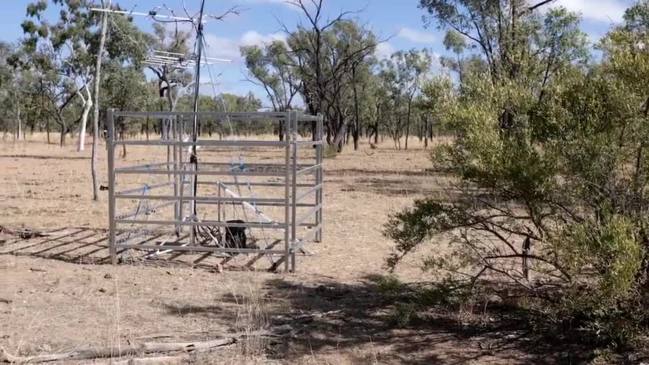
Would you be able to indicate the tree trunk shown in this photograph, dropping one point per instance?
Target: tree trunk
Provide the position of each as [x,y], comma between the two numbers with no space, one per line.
[408,123]
[63,132]
[146,128]
[357,123]
[281,131]
[124,145]
[340,137]
[426,131]
[95,121]
[376,133]
[84,119]
[19,129]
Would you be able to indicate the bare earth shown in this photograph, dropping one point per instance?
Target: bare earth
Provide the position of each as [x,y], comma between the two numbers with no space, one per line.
[53,298]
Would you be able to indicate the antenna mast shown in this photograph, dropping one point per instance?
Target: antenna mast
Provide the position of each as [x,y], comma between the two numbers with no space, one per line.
[164,59]
[193,159]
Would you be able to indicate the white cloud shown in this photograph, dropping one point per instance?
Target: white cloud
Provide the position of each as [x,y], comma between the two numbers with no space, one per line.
[282,2]
[253,38]
[224,47]
[416,36]
[600,10]
[287,3]
[384,50]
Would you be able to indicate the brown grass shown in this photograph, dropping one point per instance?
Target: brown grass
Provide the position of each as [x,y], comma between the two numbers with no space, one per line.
[329,312]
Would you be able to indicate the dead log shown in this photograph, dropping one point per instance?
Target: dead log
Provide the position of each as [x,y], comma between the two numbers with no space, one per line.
[114,352]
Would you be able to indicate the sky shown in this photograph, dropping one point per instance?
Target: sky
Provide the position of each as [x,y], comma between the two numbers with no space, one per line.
[399,22]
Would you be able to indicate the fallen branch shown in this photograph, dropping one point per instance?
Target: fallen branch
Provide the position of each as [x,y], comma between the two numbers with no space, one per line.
[156,360]
[24,234]
[113,352]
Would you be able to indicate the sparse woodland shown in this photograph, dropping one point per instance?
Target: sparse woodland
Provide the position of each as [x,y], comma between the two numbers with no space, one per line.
[545,136]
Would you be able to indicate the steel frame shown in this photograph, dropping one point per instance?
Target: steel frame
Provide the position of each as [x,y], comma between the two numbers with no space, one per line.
[290,171]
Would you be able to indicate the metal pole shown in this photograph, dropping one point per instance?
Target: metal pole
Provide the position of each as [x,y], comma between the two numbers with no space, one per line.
[197,84]
[167,127]
[292,141]
[287,212]
[181,202]
[176,136]
[319,178]
[219,203]
[110,122]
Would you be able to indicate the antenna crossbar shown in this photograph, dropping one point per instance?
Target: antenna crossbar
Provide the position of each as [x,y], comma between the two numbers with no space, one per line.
[151,14]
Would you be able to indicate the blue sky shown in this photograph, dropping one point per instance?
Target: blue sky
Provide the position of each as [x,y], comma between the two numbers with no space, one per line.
[398,20]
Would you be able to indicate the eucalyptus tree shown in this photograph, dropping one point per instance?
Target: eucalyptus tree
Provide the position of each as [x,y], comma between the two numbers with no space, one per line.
[28,90]
[499,122]
[413,67]
[72,43]
[124,88]
[56,91]
[360,69]
[436,95]
[372,105]
[324,61]
[12,93]
[227,102]
[456,43]
[403,73]
[69,42]
[324,51]
[271,67]
[390,101]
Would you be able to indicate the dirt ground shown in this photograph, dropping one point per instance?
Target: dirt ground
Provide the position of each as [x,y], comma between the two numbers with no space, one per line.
[329,312]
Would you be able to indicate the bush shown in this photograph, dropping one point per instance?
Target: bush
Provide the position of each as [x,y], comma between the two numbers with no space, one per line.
[552,191]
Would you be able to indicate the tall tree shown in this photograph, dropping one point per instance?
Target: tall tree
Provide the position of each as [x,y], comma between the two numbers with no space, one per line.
[72,44]
[271,68]
[551,165]
[324,51]
[404,72]
[456,43]
[70,41]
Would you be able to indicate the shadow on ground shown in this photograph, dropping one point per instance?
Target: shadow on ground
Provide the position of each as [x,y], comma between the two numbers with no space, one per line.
[89,246]
[362,322]
[46,157]
[357,323]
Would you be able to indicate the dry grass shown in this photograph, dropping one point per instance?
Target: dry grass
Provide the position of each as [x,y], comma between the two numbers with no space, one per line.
[330,312]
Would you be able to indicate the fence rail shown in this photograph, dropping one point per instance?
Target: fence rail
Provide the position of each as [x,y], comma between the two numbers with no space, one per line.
[299,174]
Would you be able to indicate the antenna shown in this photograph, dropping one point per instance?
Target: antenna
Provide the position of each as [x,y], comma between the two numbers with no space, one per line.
[152,14]
[193,158]
[166,59]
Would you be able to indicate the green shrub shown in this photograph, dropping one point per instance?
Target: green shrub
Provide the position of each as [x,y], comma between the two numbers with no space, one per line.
[404,313]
